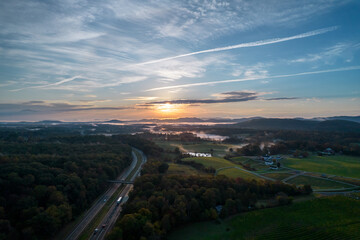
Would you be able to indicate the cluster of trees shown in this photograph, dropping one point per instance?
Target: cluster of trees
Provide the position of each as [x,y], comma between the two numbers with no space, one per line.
[346,142]
[160,202]
[183,136]
[300,142]
[47,182]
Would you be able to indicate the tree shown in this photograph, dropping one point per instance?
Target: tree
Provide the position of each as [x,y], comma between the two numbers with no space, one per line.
[163,168]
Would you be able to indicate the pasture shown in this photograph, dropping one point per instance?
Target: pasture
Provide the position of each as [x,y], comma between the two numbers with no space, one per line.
[325,218]
[339,165]
[317,183]
[235,173]
[214,162]
[277,175]
[182,170]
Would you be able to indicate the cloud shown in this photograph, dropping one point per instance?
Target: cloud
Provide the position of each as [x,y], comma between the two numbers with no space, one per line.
[282,98]
[141,99]
[43,107]
[352,68]
[255,71]
[329,54]
[51,84]
[246,45]
[226,97]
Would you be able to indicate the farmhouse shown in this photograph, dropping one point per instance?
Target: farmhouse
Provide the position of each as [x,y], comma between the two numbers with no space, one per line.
[328,151]
[192,154]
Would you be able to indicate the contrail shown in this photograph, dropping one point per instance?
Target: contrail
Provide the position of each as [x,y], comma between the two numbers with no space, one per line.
[257,78]
[245,45]
[49,85]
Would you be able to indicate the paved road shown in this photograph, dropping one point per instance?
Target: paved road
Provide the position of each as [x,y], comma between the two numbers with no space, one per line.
[109,220]
[96,207]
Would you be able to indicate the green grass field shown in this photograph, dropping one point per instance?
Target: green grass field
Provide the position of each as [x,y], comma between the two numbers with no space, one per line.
[214,162]
[338,165]
[277,176]
[182,170]
[325,218]
[240,159]
[235,173]
[317,183]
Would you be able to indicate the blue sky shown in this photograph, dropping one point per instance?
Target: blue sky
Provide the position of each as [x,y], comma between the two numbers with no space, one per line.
[87,60]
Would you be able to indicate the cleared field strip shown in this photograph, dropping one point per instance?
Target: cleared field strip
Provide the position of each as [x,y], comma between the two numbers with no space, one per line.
[235,173]
[277,176]
[182,170]
[319,183]
[346,166]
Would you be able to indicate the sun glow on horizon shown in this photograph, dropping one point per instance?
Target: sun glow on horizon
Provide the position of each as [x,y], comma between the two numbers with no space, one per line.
[168,110]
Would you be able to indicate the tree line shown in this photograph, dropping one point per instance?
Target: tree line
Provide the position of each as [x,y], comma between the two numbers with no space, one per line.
[160,202]
[46,182]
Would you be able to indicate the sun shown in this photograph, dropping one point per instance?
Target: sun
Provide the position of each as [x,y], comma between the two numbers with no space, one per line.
[166,108]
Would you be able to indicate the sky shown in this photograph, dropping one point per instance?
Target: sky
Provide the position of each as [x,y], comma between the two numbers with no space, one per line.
[79,60]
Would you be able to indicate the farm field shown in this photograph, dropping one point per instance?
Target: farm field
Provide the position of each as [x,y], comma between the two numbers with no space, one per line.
[301,220]
[277,176]
[182,170]
[317,183]
[240,159]
[235,173]
[214,162]
[341,165]
[259,166]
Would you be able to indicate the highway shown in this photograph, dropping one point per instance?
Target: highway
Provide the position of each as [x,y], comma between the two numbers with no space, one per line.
[109,220]
[96,207]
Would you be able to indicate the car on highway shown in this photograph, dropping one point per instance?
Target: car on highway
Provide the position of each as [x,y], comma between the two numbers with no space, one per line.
[95,231]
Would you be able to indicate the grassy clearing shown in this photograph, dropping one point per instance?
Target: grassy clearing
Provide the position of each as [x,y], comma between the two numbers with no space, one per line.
[168,145]
[317,183]
[235,173]
[182,170]
[277,176]
[211,162]
[325,218]
[259,166]
[240,159]
[341,165]
[347,180]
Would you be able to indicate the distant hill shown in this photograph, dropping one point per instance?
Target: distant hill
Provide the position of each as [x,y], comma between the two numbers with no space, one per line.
[347,118]
[50,121]
[114,121]
[296,124]
[339,125]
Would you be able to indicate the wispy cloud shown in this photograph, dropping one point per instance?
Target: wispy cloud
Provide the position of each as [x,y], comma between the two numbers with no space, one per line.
[352,68]
[246,45]
[44,107]
[141,99]
[226,97]
[51,84]
[329,54]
